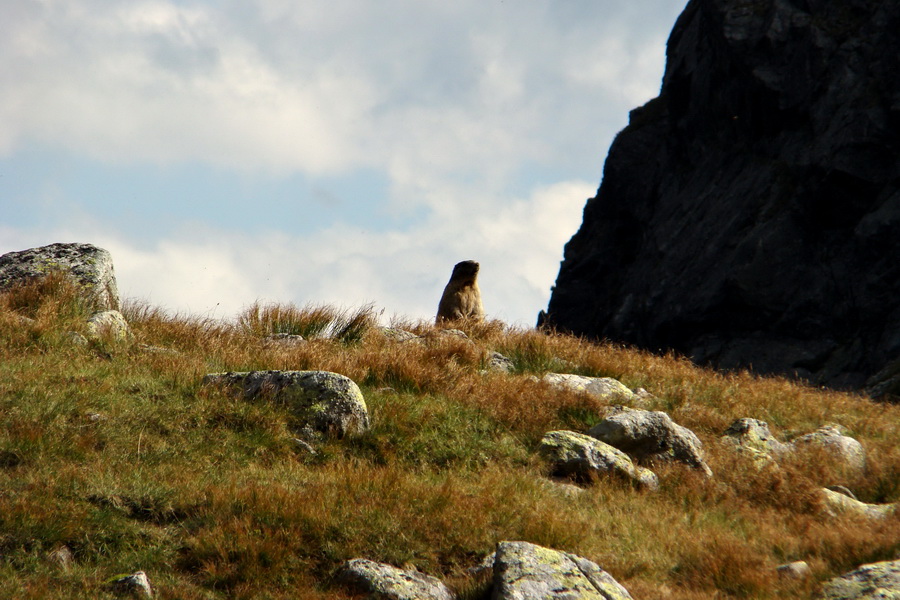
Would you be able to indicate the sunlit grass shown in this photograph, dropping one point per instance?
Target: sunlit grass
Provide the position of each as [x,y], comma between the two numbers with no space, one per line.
[120,455]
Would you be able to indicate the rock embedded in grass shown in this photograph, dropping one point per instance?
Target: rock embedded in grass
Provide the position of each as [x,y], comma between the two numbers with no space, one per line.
[837,503]
[387,582]
[91,267]
[753,437]
[844,448]
[650,435]
[136,585]
[876,581]
[329,403]
[398,335]
[606,388]
[580,456]
[109,325]
[524,570]
[794,570]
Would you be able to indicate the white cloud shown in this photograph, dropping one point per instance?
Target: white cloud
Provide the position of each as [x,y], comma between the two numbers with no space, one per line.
[313,86]
[216,273]
[453,103]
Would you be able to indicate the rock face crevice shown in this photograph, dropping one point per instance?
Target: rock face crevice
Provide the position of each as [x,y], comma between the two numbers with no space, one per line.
[750,215]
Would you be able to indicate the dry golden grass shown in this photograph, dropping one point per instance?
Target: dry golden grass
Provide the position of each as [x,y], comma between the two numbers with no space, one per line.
[119,454]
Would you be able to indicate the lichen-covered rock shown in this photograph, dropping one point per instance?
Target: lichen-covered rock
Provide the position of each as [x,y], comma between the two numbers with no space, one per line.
[91,267]
[876,581]
[846,449]
[607,388]
[501,364]
[524,571]
[837,503]
[650,435]
[752,436]
[580,456]
[386,582]
[109,325]
[136,585]
[398,335]
[327,402]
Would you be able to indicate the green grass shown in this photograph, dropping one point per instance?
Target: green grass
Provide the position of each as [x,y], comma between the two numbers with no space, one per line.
[119,454]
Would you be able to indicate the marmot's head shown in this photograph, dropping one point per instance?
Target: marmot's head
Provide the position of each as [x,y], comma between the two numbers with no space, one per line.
[465,270]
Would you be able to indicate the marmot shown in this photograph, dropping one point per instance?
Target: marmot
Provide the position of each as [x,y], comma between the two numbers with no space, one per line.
[462,298]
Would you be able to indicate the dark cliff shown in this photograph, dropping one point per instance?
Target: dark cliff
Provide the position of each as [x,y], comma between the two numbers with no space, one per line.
[750,215]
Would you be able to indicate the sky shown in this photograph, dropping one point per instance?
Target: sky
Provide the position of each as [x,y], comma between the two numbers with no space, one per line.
[312,152]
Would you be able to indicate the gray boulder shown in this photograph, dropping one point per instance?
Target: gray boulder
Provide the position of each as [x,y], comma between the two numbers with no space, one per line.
[501,364]
[135,585]
[844,448]
[524,571]
[752,437]
[327,402]
[109,325]
[838,503]
[385,582]
[650,435]
[91,267]
[876,581]
[607,388]
[580,456]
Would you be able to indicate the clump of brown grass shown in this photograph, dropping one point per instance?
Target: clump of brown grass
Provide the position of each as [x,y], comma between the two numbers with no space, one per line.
[312,321]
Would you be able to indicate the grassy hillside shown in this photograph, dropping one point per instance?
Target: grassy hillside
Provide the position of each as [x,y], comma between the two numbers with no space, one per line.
[120,455]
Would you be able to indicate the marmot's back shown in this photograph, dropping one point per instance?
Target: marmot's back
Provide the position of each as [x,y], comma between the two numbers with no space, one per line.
[461,298]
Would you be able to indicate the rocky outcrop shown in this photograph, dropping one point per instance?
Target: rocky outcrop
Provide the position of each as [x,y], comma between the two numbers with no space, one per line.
[91,267]
[582,457]
[386,582]
[327,403]
[877,581]
[650,435]
[748,216]
[523,570]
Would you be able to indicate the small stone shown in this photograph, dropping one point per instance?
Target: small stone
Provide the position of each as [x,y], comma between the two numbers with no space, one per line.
[398,335]
[794,570]
[283,340]
[753,437]
[62,557]
[136,584]
[499,363]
